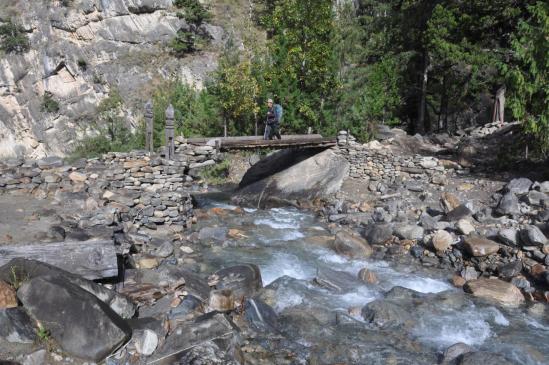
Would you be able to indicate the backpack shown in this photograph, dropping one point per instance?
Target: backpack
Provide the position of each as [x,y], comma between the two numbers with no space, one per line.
[278,112]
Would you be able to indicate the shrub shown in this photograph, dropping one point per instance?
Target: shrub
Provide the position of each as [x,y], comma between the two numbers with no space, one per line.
[193,11]
[183,43]
[82,64]
[216,174]
[49,104]
[13,38]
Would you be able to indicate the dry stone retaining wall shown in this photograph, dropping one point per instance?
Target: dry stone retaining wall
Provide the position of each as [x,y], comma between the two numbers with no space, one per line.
[377,162]
[146,190]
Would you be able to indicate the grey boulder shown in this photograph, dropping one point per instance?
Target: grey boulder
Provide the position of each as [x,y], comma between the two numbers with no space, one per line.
[16,326]
[79,322]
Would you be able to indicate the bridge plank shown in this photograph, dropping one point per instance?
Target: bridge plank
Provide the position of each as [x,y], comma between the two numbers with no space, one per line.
[243,142]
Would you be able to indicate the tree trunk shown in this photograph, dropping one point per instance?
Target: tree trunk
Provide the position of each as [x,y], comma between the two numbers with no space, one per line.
[225,127]
[420,127]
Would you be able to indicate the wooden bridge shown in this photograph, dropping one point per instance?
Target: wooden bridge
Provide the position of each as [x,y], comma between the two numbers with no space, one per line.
[250,142]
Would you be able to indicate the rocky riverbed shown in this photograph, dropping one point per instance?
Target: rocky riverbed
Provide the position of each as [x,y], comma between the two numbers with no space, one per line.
[436,263]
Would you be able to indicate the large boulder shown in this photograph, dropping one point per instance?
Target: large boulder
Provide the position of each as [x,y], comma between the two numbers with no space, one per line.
[292,179]
[377,234]
[81,324]
[533,236]
[519,186]
[20,269]
[508,205]
[351,245]
[496,290]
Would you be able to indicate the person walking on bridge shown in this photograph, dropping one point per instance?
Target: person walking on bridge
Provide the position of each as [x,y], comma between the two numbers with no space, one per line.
[274,116]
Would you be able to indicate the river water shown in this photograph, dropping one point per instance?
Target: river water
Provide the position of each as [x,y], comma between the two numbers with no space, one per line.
[284,243]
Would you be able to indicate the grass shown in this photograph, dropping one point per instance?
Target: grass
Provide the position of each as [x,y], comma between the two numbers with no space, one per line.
[216,174]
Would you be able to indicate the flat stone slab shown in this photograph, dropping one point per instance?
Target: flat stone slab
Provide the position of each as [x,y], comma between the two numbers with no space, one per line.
[478,246]
[494,289]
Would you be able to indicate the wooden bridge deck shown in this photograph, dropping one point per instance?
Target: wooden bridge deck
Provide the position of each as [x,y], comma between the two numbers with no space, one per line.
[246,142]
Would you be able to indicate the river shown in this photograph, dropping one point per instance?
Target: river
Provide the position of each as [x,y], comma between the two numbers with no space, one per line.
[418,326]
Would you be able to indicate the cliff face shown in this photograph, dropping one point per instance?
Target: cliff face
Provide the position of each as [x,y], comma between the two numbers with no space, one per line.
[79,50]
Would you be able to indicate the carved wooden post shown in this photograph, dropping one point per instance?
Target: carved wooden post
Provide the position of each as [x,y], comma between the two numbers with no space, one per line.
[170,148]
[149,142]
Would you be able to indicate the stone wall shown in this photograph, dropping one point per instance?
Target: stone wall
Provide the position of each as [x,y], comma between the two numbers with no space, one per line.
[146,190]
[378,163]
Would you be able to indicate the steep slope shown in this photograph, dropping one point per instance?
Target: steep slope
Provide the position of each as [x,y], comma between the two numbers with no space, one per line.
[79,51]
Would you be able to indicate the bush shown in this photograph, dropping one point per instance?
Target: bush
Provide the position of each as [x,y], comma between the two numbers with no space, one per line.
[49,104]
[82,64]
[113,135]
[183,43]
[13,38]
[193,11]
[216,174]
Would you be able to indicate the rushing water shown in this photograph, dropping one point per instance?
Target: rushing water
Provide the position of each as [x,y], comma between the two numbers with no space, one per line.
[277,240]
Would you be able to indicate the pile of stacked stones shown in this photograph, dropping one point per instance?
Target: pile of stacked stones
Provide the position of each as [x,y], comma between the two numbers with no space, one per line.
[146,190]
[378,163]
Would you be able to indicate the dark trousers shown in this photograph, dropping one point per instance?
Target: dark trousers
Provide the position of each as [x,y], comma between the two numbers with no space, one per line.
[274,131]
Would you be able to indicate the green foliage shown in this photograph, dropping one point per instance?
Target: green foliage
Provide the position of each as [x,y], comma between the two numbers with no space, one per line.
[49,104]
[82,64]
[17,280]
[183,43]
[13,38]
[193,11]
[529,77]
[43,334]
[112,133]
[216,174]
[236,90]
[196,112]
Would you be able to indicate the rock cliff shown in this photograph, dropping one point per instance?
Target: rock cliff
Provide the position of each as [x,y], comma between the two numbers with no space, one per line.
[79,50]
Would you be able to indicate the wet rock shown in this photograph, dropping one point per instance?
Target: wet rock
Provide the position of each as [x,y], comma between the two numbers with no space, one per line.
[508,205]
[385,314]
[188,335]
[533,236]
[455,351]
[519,186]
[80,323]
[164,250]
[218,234]
[408,232]
[244,280]
[16,326]
[483,358]
[465,227]
[469,273]
[260,315]
[478,246]
[377,234]
[8,299]
[510,270]
[495,289]
[442,240]
[334,280]
[367,276]
[508,236]
[221,300]
[349,244]
[145,341]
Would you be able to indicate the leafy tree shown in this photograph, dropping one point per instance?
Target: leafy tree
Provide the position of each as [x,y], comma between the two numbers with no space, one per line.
[529,78]
[237,90]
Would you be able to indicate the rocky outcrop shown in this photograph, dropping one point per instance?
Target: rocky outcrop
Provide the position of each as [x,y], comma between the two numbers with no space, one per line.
[80,52]
[293,179]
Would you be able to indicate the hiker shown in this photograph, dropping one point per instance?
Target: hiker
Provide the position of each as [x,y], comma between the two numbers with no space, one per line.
[274,115]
